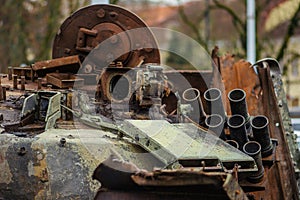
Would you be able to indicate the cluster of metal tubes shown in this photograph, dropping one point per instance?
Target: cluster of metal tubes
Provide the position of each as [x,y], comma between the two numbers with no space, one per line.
[14,78]
[240,124]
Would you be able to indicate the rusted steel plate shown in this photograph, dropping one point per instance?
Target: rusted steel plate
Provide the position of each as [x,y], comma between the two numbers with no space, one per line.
[273,98]
[23,71]
[65,64]
[171,184]
[179,178]
[240,75]
[64,80]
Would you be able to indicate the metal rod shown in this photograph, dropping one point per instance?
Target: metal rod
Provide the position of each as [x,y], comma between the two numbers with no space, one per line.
[4,93]
[22,82]
[251,30]
[10,71]
[236,124]
[1,90]
[15,81]
[39,81]
[253,149]
[261,134]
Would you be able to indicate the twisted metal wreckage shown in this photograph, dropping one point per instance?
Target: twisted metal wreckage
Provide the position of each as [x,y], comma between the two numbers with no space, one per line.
[71,123]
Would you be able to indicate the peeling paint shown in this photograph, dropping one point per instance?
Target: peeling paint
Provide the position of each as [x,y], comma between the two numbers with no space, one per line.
[5,173]
[30,168]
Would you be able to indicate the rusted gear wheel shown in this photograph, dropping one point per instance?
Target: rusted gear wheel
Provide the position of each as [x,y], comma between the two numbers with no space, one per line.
[86,29]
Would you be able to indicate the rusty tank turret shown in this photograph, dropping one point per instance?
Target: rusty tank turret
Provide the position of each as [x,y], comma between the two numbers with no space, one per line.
[106,118]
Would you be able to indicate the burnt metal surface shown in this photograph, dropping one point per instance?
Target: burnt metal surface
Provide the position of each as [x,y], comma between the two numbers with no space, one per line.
[276,109]
[26,71]
[146,133]
[64,80]
[42,168]
[251,84]
[171,184]
[65,64]
[90,26]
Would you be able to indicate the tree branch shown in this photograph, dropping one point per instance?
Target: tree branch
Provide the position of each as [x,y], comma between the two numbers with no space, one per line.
[289,33]
[240,26]
[231,13]
[192,26]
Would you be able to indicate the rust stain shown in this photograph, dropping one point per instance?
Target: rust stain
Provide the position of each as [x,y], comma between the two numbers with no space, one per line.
[1,158]
[40,169]
[246,79]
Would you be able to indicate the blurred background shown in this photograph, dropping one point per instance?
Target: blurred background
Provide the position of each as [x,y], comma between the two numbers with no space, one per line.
[28,27]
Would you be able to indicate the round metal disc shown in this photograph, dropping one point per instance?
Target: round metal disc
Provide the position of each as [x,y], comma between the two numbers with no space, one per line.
[83,31]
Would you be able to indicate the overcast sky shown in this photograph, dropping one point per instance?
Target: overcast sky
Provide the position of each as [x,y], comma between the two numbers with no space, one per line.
[99,1]
[163,1]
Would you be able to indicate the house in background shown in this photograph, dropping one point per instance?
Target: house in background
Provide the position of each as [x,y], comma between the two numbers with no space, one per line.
[222,32]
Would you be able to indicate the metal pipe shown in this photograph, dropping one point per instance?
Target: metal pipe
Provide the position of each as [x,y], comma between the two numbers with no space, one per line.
[1,90]
[238,104]
[192,95]
[215,123]
[4,93]
[15,81]
[261,134]
[236,124]
[39,81]
[10,71]
[251,30]
[253,149]
[1,93]
[22,82]
[214,103]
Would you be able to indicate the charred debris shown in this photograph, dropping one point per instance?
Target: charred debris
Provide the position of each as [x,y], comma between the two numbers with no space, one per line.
[94,122]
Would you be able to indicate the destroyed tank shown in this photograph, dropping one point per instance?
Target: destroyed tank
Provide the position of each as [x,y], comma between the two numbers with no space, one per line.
[106,119]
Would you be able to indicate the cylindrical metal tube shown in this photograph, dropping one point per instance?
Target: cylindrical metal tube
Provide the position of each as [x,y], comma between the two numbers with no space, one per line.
[238,104]
[22,72]
[39,82]
[4,93]
[22,82]
[1,90]
[215,123]
[1,94]
[261,134]
[192,95]
[10,72]
[253,149]
[15,81]
[214,103]
[236,124]
[233,143]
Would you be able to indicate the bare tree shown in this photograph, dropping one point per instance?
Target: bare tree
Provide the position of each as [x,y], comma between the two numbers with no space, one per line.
[194,26]
[27,29]
[12,33]
[239,21]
